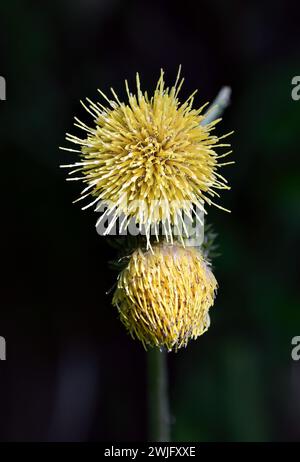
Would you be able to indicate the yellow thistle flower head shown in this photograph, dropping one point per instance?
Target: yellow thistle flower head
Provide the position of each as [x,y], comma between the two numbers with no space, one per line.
[151,159]
[164,295]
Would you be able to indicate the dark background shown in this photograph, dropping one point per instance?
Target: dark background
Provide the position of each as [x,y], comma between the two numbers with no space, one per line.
[72,373]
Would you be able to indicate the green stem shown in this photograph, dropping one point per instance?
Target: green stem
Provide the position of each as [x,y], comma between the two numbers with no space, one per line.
[218,106]
[159,415]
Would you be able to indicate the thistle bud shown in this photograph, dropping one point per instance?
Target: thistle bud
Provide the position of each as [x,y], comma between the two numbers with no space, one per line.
[164,295]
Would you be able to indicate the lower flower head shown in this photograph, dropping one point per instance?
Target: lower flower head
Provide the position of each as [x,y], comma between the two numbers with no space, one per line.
[164,295]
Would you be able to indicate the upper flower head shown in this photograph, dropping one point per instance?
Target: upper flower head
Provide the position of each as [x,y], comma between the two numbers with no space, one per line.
[151,159]
[164,296]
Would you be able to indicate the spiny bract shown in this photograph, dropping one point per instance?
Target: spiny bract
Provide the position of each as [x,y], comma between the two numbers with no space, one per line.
[163,296]
[151,160]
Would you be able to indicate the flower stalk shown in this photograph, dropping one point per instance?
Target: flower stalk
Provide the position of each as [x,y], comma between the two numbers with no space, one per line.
[158,399]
